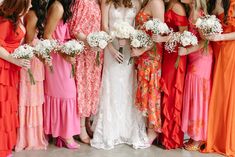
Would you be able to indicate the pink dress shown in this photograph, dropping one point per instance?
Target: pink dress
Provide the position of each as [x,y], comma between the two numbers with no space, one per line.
[61,116]
[30,132]
[197,92]
[87,19]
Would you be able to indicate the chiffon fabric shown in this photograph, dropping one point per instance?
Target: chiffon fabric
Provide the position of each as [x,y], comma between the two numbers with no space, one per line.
[221,123]
[10,39]
[173,85]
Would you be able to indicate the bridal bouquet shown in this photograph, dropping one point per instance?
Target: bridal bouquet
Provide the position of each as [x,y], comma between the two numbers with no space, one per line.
[122,30]
[185,39]
[100,40]
[72,48]
[140,39]
[209,25]
[157,27]
[25,52]
[43,49]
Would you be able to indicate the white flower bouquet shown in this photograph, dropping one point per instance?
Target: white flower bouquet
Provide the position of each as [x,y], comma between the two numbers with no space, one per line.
[72,48]
[185,39]
[98,40]
[156,26]
[209,25]
[43,48]
[122,30]
[140,39]
[25,52]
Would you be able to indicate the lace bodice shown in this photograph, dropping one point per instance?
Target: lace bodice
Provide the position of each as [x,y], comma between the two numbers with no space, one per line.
[122,14]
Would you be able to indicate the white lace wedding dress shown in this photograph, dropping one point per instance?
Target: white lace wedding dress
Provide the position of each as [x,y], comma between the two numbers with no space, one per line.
[118,121]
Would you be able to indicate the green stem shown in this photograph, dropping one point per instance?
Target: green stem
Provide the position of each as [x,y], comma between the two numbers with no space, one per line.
[177,62]
[130,60]
[206,46]
[98,58]
[32,81]
[73,70]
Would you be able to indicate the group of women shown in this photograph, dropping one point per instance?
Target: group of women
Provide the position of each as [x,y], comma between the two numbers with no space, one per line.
[136,104]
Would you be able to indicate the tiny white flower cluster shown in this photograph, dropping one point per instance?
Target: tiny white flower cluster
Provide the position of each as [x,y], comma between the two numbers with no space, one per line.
[185,39]
[140,39]
[23,52]
[72,48]
[209,25]
[157,26]
[122,30]
[43,49]
[99,39]
[171,44]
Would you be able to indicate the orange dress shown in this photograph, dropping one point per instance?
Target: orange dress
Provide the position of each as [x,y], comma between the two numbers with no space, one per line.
[221,124]
[148,94]
[9,81]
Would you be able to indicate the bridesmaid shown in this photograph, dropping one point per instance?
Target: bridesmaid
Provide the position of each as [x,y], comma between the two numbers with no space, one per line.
[61,117]
[221,124]
[86,19]
[173,80]
[197,82]
[11,35]
[148,64]
[30,132]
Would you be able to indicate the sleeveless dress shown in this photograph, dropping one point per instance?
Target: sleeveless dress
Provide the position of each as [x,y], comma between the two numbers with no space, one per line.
[173,85]
[31,99]
[9,86]
[118,121]
[148,66]
[197,91]
[87,19]
[61,116]
[221,124]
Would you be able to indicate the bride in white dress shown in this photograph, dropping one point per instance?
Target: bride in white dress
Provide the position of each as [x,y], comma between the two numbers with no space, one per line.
[118,121]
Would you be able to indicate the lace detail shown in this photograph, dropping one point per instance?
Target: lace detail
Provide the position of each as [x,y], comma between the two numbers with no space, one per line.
[118,121]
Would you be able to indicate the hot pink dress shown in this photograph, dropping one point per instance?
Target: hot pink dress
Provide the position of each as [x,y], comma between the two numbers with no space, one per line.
[197,91]
[61,116]
[87,19]
[30,132]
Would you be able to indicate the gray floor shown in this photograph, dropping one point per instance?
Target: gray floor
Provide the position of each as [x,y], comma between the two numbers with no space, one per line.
[119,151]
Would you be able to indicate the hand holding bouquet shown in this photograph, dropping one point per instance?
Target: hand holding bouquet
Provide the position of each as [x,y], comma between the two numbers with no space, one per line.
[122,30]
[25,52]
[43,49]
[72,48]
[209,25]
[98,40]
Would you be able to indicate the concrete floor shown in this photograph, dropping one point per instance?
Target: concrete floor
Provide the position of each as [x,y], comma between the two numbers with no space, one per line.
[119,151]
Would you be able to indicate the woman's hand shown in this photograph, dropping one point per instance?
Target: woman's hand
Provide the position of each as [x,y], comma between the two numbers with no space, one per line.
[160,39]
[116,54]
[24,63]
[216,37]
[122,42]
[135,52]
[182,51]
[71,60]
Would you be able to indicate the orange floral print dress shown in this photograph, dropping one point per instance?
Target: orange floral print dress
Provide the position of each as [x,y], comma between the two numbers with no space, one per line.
[148,65]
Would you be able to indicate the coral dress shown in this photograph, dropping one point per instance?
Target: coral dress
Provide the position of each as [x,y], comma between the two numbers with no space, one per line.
[173,85]
[148,94]
[221,124]
[30,133]
[197,91]
[60,111]
[9,86]
[87,19]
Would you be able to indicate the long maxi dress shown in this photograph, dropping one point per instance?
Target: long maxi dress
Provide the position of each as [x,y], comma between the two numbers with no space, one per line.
[87,19]
[10,39]
[173,85]
[61,116]
[221,123]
